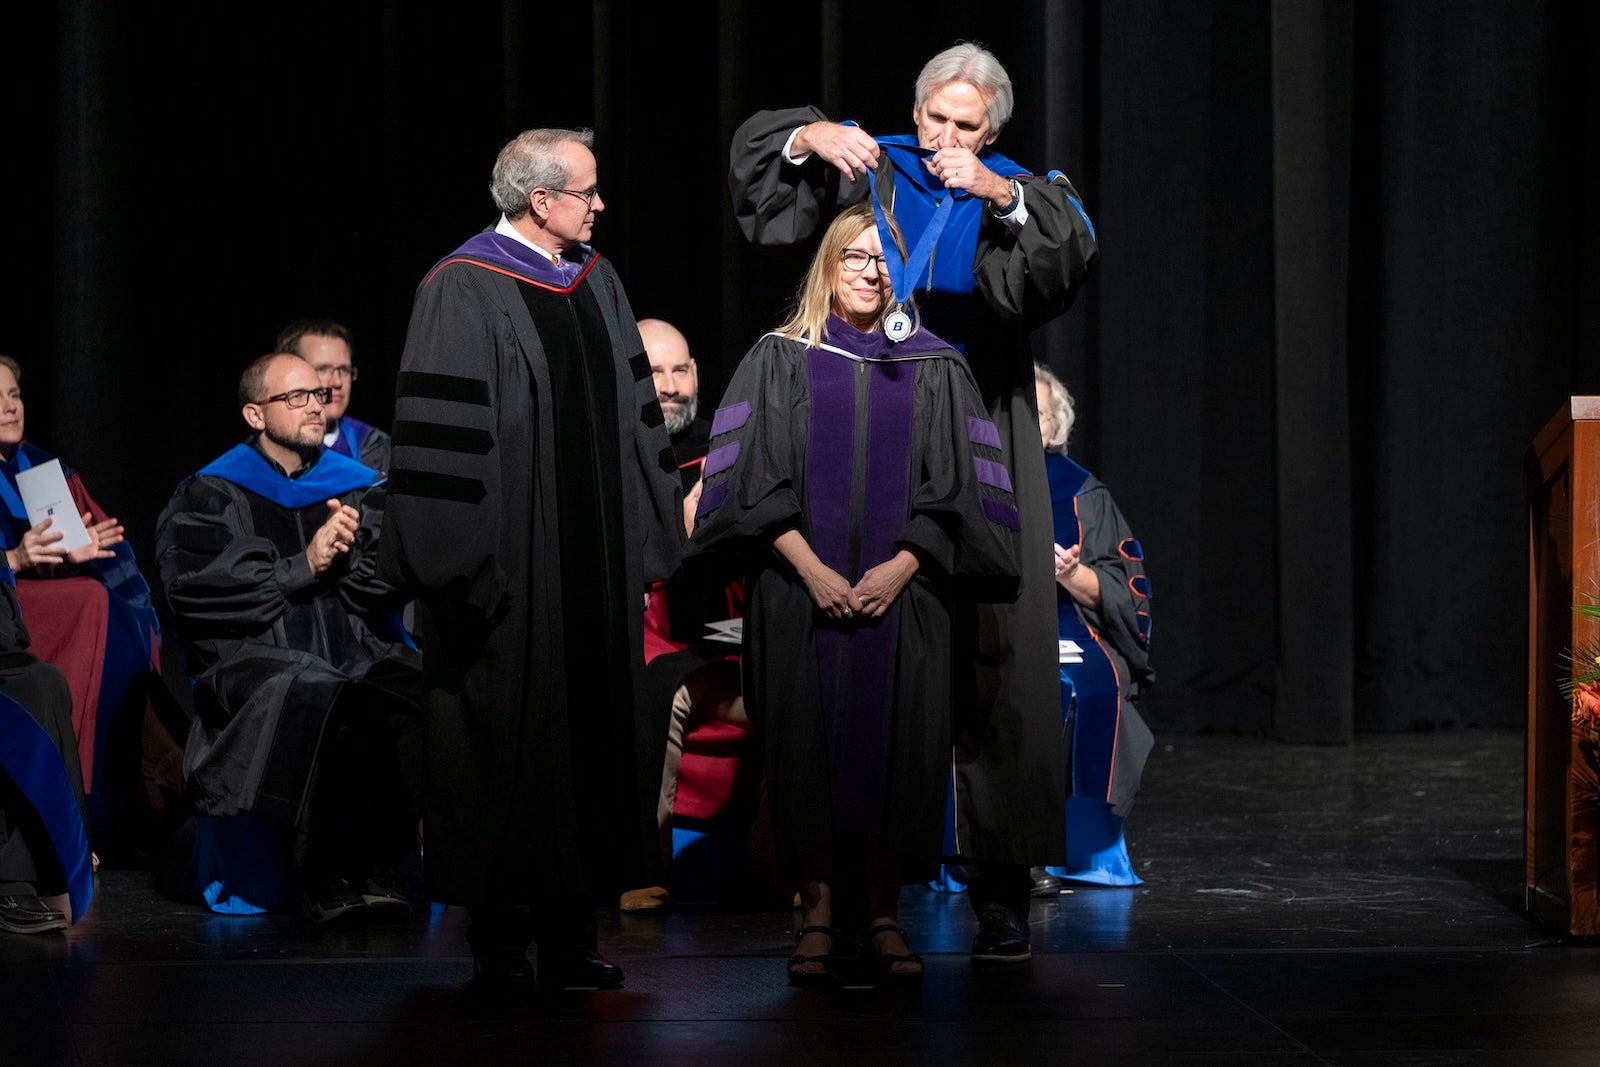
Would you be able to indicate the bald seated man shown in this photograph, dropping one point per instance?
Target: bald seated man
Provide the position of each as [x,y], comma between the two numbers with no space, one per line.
[686,676]
[306,687]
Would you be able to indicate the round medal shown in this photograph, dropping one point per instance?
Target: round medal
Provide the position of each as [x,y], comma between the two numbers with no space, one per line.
[897,327]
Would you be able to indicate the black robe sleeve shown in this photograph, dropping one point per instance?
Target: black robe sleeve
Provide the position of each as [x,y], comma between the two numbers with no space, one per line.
[221,579]
[747,504]
[356,578]
[1123,618]
[1034,274]
[948,523]
[658,495]
[444,528]
[774,201]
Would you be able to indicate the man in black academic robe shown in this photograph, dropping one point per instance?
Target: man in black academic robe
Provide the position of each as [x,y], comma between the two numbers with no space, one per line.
[305,685]
[1011,252]
[533,499]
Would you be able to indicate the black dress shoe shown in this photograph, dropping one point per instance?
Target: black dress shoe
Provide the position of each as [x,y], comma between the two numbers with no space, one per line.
[578,969]
[27,914]
[1045,884]
[385,895]
[1002,936]
[327,898]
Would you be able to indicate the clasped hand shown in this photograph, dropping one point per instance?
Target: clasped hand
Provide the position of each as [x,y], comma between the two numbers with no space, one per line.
[870,598]
[334,537]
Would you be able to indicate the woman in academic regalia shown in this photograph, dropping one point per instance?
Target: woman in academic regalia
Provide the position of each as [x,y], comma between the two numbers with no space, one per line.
[857,485]
[1103,610]
[89,611]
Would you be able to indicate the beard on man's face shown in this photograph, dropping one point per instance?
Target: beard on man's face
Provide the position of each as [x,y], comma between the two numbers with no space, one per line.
[304,438]
[681,414]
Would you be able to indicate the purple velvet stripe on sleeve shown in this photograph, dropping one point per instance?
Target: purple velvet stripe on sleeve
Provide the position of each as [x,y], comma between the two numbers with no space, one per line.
[710,500]
[1000,513]
[982,432]
[720,459]
[734,416]
[992,473]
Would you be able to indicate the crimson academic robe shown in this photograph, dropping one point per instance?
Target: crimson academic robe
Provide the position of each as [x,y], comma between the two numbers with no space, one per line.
[987,287]
[533,499]
[96,622]
[865,448]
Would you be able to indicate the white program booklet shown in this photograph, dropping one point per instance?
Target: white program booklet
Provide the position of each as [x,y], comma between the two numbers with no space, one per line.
[45,495]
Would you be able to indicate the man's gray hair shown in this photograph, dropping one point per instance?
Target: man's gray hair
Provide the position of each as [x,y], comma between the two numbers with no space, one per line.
[969,62]
[530,161]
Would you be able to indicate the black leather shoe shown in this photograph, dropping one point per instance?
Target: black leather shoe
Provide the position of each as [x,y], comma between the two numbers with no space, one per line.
[1045,884]
[27,914]
[578,969]
[328,897]
[385,895]
[1002,936]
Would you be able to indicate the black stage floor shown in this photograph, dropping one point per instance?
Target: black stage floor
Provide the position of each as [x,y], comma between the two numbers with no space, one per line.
[1301,905]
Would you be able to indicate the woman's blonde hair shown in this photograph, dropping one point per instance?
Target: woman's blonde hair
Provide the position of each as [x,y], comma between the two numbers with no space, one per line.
[1060,412]
[814,300]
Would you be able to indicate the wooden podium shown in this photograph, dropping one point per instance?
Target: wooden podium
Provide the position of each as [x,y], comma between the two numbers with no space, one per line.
[1562,868]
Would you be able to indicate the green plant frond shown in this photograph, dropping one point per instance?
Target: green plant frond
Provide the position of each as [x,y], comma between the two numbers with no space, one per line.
[1582,665]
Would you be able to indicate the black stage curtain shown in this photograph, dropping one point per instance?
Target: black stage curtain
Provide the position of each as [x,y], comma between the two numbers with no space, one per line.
[1345,250]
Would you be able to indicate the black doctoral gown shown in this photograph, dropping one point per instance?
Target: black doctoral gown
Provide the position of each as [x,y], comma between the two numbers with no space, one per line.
[1008,790]
[533,498]
[270,646]
[865,449]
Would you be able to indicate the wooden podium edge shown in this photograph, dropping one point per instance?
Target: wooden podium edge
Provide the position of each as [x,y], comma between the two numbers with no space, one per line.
[1561,442]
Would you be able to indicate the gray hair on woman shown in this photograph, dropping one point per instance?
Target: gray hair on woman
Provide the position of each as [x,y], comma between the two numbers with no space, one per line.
[1059,416]
[530,161]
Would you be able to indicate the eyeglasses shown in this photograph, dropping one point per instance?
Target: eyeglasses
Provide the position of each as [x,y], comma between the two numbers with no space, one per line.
[340,371]
[588,194]
[298,398]
[855,260]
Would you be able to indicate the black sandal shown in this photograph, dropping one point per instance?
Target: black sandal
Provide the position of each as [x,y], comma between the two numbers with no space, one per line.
[884,962]
[811,979]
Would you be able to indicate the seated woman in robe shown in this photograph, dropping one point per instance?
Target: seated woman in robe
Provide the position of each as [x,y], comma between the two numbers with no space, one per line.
[1103,611]
[89,611]
[46,868]
[857,486]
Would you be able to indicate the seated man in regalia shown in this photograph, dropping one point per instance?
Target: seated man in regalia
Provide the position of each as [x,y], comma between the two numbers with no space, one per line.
[305,683]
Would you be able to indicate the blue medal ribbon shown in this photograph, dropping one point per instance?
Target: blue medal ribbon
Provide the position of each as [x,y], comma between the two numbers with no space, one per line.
[903,273]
